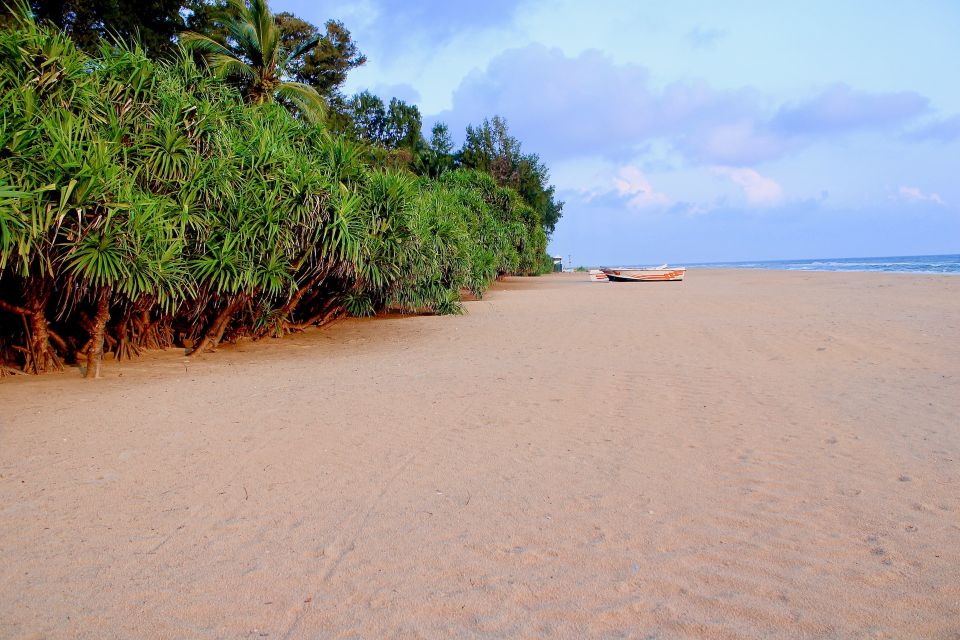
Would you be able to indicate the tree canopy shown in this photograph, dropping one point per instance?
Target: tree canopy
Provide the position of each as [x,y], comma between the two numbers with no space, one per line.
[394,126]
[490,147]
[284,57]
[249,49]
[326,64]
[151,203]
[151,23]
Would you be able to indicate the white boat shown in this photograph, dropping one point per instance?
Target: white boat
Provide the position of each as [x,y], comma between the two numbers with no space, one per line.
[663,273]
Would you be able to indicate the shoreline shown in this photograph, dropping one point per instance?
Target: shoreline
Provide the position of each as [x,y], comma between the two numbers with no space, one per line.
[701,268]
[748,453]
[947,264]
[902,273]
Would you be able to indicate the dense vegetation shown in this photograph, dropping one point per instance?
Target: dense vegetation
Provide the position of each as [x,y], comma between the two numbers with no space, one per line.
[184,199]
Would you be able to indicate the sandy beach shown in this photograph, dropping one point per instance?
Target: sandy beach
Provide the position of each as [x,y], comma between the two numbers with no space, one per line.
[747,454]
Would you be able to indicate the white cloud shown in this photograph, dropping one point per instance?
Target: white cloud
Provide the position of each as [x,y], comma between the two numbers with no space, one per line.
[631,183]
[614,109]
[759,190]
[590,179]
[914,194]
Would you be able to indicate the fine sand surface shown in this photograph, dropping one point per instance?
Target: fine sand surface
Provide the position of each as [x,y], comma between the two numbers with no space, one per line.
[746,454]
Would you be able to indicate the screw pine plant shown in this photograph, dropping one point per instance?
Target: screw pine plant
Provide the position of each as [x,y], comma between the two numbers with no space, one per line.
[149,204]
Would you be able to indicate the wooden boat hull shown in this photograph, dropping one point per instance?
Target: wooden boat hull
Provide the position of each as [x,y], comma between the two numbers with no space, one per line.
[645,275]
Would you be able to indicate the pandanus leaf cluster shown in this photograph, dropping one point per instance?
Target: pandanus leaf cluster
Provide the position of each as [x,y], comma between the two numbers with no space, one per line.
[151,204]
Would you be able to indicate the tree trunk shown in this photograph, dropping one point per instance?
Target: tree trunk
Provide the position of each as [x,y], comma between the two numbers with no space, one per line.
[150,334]
[43,357]
[285,312]
[215,332]
[58,340]
[147,332]
[126,346]
[295,299]
[95,348]
[327,314]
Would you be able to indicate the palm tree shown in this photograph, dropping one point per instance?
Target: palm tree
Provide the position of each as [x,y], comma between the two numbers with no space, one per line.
[251,52]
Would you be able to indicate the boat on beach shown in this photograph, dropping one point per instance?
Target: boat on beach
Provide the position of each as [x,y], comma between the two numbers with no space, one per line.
[663,273]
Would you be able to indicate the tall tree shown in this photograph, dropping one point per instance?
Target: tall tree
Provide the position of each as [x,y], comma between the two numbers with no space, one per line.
[251,54]
[396,126]
[434,158]
[325,66]
[441,142]
[152,23]
[403,125]
[490,147]
[369,117]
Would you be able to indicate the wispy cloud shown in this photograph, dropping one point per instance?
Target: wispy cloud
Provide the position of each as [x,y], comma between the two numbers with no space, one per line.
[633,185]
[915,194]
[603,182]
[759,190]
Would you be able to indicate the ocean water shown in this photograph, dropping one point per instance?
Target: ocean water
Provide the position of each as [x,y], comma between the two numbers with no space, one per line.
[896,264]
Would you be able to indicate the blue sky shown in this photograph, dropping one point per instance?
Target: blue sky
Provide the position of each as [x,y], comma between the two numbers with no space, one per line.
[697,131]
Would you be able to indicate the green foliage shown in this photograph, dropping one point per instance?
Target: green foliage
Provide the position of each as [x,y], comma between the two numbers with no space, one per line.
[150,23]
[436,157]
[325,65]
[196,214]
[392,127]
[247,47]
[490,147]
